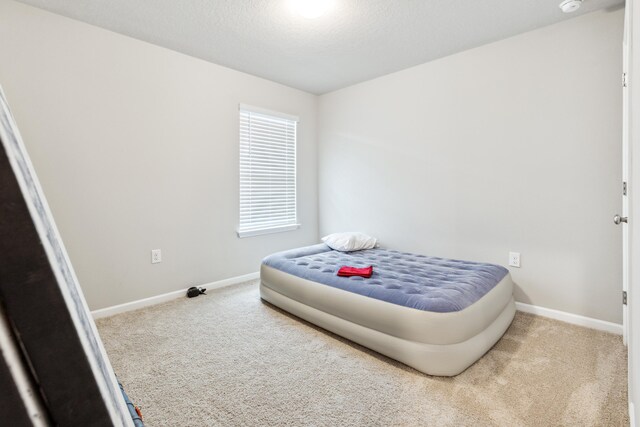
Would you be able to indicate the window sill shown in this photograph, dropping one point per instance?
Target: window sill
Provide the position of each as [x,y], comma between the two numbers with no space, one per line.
[261,231]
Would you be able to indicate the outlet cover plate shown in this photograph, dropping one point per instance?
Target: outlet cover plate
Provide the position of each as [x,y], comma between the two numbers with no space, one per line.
[156,256]
[514,259]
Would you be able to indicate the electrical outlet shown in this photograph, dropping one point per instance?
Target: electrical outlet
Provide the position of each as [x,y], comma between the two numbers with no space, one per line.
[156,256]
[514,259]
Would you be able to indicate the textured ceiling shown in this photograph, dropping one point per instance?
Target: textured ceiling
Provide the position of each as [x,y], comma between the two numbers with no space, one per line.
[355,41]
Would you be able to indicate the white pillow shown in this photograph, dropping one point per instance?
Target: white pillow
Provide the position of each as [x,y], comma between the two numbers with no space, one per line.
[347,242]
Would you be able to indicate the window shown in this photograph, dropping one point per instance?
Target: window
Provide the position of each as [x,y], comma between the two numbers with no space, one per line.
[267,172]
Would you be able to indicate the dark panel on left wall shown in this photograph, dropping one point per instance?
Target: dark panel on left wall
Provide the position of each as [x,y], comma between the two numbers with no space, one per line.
[34,303]
[42,300]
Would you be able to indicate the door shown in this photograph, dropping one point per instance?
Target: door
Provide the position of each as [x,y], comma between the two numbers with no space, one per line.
[622,218]
[631,234]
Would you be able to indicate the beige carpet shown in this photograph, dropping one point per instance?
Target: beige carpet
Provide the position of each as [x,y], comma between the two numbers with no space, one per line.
[228,359]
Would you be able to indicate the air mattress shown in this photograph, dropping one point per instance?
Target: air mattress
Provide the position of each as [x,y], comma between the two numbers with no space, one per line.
[434,314]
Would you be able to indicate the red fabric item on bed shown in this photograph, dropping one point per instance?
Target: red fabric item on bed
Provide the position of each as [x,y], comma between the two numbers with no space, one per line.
[347,271]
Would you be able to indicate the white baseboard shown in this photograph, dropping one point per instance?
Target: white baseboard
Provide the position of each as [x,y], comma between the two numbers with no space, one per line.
[574,319]
[632,415]
[527,308]
[146,302]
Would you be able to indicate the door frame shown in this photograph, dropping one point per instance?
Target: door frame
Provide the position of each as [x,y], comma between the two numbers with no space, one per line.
[632,324]
[625,190]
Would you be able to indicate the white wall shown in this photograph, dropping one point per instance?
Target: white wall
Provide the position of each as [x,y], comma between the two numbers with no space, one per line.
[513,146]
[136,147]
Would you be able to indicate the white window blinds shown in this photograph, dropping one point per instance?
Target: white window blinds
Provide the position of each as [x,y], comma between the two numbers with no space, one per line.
[267,172]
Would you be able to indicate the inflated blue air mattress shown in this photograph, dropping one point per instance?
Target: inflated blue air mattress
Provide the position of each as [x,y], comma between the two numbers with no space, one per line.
[416,281]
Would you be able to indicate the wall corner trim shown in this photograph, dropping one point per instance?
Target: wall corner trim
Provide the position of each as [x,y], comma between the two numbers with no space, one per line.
[574,319]
[632,414]
[158,299]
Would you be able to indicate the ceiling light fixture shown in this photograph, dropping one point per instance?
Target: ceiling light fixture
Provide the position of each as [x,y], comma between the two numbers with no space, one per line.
[311,9]
[569,6]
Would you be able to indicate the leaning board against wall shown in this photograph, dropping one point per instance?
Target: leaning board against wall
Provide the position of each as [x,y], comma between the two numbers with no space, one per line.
[44,319]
